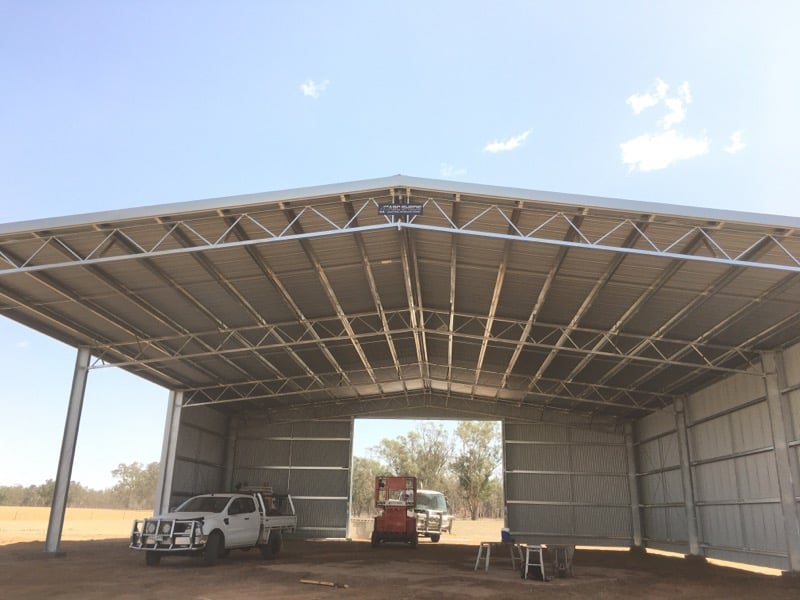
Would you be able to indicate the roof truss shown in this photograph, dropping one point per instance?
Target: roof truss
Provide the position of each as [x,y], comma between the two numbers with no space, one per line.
[309,301]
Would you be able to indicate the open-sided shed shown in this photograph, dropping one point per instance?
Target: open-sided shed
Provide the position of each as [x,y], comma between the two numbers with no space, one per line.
[644,359]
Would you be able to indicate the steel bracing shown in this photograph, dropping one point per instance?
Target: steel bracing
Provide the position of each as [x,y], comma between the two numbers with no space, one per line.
[135,241]
[461,297]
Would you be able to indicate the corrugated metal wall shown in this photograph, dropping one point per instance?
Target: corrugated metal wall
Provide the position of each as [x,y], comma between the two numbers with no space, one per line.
[309,460]
[734,474]
[733,466]
[567,485]
[662,507]
[791,361]
[200,453]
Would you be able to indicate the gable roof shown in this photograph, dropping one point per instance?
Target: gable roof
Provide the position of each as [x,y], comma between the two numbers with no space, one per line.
[413,297]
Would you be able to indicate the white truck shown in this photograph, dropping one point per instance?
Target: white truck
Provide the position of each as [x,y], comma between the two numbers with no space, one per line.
[433,514]
[211,525]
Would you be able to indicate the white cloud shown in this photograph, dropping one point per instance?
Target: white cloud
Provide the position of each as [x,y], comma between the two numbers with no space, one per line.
[685,93]
[677,106]
[653,152]
[676,114]
[657,94]
[313,89]
[449,171]
[736,143]
[640,102]
[507,145]
[22,345]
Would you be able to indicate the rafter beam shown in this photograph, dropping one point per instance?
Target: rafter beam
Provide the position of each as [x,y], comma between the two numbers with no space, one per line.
[718,284]
[327,288]
[616,260]
[413,298]
[235,228]
[373,286]
[496,291]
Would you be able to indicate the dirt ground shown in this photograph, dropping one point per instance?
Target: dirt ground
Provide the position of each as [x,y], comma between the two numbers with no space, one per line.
[107,569]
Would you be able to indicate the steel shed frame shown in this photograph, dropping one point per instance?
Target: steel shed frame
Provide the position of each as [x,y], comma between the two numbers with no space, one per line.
[409,297]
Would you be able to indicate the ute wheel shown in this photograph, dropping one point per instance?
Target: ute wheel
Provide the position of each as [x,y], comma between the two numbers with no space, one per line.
[376,539]
[215,545]
[435,537]
[273,546]
[152,559]
[413,541]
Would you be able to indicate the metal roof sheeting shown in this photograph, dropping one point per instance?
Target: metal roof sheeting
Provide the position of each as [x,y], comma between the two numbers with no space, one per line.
[310,302]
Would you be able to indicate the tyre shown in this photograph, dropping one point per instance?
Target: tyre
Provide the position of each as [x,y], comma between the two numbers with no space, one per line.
[376,539]
[152,559]
[435,537]
[214,547]
[273,546]
[413,541]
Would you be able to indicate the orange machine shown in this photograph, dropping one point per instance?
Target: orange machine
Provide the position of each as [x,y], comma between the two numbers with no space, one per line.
[395,500]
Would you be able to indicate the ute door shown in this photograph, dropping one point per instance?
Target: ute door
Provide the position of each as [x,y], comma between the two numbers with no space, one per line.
[244,522]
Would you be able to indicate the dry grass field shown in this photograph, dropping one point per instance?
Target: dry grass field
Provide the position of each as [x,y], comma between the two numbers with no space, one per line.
[29,523]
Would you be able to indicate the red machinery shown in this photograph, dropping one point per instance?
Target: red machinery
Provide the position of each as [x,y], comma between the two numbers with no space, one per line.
[395,500]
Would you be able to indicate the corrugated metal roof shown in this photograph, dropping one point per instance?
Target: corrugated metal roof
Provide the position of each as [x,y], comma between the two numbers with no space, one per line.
[492,302]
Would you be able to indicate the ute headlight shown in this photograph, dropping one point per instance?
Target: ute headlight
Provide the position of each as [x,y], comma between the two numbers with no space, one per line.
[150,527]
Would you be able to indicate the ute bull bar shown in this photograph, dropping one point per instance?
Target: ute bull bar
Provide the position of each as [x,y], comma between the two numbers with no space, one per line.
[429,521]
[168,535]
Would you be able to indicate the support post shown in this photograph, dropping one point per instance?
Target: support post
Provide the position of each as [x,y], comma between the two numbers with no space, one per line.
[230,452]
[68,443]
[780,419]
[168,451]
[686,479]
[633,485]
[348,529]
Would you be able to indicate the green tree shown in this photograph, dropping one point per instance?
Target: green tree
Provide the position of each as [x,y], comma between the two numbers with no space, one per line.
[136,484]
[475,463]
[42,495]
[424,453]
[363,493]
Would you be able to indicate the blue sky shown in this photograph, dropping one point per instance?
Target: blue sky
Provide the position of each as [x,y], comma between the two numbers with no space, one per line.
[116,104]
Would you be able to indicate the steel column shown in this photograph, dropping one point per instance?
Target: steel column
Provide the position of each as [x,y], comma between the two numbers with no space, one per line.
[230,452]
[168,450]
[633,484]
[69,441]
[347,531]
[686,478]
[780,419]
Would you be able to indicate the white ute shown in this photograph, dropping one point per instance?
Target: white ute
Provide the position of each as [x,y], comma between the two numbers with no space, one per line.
[433,514]
[213,524]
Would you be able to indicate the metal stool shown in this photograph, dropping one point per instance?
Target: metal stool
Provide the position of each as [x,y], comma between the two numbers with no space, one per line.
[514,552]
[534,560]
